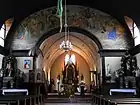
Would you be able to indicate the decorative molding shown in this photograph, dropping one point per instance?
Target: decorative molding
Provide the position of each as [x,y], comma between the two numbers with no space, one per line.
[111,53]
[20,53]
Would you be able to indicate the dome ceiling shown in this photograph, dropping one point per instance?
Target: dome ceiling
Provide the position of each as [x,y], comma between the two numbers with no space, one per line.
[82,45]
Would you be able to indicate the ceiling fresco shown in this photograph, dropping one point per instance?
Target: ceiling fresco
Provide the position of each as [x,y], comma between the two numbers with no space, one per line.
[108,30]
[82,45]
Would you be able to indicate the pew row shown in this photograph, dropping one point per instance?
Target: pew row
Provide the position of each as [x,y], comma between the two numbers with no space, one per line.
[101,100]
[22,100]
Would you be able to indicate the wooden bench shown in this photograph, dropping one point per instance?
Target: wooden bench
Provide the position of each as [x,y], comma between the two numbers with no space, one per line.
[126,101]
[26,100]
[102,100]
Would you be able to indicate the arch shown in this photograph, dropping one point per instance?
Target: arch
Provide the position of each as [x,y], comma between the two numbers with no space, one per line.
[71,29]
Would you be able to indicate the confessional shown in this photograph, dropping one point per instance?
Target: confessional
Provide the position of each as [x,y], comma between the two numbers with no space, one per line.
[70,78]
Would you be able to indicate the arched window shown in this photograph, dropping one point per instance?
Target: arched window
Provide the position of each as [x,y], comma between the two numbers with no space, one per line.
[4,30]
[73,58]
[2,35]
[134,30]
[67,57]
[70,59]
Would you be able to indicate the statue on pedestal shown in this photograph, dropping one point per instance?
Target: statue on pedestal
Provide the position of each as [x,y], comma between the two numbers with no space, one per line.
[9,72]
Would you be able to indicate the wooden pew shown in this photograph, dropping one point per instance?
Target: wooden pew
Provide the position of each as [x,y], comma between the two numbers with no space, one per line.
[24,100]
[101,100]
[12,99]
[126,101]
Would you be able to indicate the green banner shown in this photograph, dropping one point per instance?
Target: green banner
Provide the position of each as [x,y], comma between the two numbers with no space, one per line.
[59,8]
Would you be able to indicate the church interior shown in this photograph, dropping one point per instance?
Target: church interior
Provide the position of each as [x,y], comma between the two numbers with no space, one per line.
[59,52]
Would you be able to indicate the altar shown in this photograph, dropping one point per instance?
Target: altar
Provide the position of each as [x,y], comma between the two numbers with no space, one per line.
[70,75]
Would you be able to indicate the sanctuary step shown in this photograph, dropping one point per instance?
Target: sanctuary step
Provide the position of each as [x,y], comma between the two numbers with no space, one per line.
[69,100]
[76,95]
[67,104]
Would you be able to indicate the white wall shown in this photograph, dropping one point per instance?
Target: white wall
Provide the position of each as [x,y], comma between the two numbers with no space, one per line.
[20,65]
[1,57]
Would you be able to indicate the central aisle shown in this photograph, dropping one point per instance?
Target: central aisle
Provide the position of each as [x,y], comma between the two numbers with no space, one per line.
[54,99]
[67,104]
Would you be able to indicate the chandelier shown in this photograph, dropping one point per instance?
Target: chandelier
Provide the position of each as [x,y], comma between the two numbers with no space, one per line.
[66,45]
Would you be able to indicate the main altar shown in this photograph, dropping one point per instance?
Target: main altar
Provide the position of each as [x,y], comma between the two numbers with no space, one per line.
[70,76]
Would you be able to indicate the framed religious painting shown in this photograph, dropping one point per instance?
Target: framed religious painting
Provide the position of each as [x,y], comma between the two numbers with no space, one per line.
[27,64]
[112,64]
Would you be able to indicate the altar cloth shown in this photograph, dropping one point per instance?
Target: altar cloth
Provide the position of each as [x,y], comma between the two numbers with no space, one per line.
[123,91]
[14,91]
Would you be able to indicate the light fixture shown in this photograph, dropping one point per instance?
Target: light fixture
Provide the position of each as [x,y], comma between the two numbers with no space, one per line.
[66,45]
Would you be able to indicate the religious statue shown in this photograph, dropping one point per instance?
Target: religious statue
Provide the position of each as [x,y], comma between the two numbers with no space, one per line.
[11,74]
[58,83]
[127,71]
[82,77]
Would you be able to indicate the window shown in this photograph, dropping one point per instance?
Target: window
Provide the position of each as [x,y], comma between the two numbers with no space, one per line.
[136,35]
[2,34]
[134,30]
[70,59]
[4,30]
[73,58]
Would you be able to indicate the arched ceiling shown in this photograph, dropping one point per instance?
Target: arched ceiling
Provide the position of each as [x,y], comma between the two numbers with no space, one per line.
[20,9]
[82,45]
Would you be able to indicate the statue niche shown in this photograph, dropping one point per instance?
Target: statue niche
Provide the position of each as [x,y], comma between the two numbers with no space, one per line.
[11,75]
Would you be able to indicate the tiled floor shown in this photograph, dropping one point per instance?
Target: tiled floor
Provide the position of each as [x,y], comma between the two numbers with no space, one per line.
[67,104]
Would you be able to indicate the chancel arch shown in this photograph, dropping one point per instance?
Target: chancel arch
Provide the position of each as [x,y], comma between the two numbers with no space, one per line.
[83,47]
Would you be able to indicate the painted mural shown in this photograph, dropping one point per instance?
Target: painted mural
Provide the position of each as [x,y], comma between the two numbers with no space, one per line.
[107,29]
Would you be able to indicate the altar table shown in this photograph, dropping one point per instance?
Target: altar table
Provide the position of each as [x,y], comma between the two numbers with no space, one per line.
[14,91]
